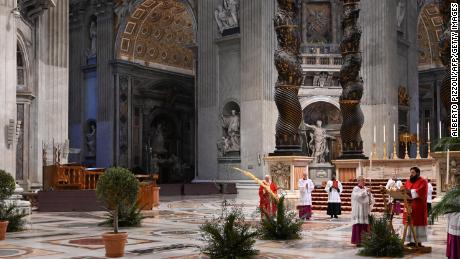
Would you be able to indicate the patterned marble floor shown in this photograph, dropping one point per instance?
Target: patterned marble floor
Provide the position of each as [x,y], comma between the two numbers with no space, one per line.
[172,231]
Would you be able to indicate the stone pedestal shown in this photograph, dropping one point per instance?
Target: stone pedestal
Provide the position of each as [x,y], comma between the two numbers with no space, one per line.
[16,198]
[320,173]
[441,169]
[286,172]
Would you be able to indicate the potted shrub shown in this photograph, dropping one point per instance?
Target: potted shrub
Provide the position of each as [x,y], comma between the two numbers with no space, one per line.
[7,186]
[118,188]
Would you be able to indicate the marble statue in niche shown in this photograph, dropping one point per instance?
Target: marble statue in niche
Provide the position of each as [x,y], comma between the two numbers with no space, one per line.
[231,133]
[158,140]
[92,37]
[91,139]
[318,142]
[227,15]
[322,79]
[400,12]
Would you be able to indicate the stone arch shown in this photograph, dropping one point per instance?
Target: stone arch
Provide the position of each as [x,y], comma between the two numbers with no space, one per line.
[429,31]
[327,112]
[304,102]
[159,34]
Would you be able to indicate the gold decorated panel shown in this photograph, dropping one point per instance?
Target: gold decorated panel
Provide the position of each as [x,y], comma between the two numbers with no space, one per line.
[429,33]
[158,32]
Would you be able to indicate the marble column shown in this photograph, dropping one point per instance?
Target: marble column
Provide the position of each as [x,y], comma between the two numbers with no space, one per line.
[53,79]
[8,43]
[105,116]
[379,67]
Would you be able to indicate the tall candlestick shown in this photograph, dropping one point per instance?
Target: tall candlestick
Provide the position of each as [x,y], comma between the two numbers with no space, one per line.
[418,132]
[384,134]
[374,135]
[428,131]
[394,132]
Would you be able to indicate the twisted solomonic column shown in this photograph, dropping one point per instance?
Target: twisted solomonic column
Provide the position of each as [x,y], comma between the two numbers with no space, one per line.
[352,84]
[287,62]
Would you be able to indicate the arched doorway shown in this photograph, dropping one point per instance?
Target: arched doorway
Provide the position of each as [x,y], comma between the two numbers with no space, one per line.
[331,120]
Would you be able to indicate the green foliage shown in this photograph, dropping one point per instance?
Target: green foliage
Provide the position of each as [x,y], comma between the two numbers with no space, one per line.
[282,226]
[118,187]
[450,203]
[448,142]
[127,217]
[7,185]
[14,217]
[381,241]
[228,236]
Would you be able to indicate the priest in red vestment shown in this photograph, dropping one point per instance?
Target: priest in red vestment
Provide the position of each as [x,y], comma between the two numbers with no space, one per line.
[267,202]
[417,188]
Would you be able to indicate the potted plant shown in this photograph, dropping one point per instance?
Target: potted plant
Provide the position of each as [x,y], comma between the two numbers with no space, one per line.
[118,188]
[7,186]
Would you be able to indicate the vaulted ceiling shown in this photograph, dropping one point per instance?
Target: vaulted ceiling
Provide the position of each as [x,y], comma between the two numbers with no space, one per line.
[429,33]
[159,33]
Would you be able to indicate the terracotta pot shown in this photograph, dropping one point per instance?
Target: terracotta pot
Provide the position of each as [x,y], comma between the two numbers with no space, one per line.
[3,227]
[115,244]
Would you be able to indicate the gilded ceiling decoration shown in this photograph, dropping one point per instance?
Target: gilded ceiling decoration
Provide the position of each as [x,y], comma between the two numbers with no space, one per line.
[429,33]
[158,32]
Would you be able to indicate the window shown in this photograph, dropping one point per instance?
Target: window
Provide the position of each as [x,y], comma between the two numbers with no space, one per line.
[21,82]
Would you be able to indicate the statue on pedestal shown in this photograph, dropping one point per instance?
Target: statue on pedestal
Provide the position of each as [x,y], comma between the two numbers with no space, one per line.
[158,140]
[319,138]
[400,12]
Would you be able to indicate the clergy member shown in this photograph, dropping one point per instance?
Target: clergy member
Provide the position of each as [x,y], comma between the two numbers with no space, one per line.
[306,186]
[361,206]
[333,188]
[417,188]
[267,202]
[453,236]
[429,199]
[394,184]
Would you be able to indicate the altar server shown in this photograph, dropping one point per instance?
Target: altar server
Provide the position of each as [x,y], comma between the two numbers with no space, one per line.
[334,189]
[306,187]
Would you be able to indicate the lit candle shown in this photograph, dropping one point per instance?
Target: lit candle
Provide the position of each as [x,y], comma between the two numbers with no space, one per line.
[439,129]
[384,134]
[394,132]
[418,132]
[374,135]
[428,131]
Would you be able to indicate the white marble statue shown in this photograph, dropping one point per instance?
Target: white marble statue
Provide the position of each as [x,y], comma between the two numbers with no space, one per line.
[231,126]
[232,7]
[226,15]
[320,136]
[155,164]
[400,12]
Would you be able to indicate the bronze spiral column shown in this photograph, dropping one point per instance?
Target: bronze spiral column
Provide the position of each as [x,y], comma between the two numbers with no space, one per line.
[352,84]
[287,62]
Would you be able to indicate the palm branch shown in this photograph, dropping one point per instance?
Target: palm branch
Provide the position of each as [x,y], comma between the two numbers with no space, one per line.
[450,203]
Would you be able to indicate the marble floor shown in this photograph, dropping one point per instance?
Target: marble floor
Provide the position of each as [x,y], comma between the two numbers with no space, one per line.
[172,231]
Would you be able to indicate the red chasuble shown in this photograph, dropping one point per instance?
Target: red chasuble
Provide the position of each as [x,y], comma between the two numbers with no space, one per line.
[267,203]
[419,206]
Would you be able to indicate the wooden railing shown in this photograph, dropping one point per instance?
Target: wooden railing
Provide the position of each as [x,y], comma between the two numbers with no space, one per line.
[77,177]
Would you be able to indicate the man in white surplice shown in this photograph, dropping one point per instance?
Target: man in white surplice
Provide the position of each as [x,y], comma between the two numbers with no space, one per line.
[334,189]
[362,201]
[306,187]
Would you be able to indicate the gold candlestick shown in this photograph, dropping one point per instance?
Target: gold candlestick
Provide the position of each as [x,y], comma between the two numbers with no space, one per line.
[418,151]
[429,150]
[374,151]
[406,156]
[384,151]
[395,155]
